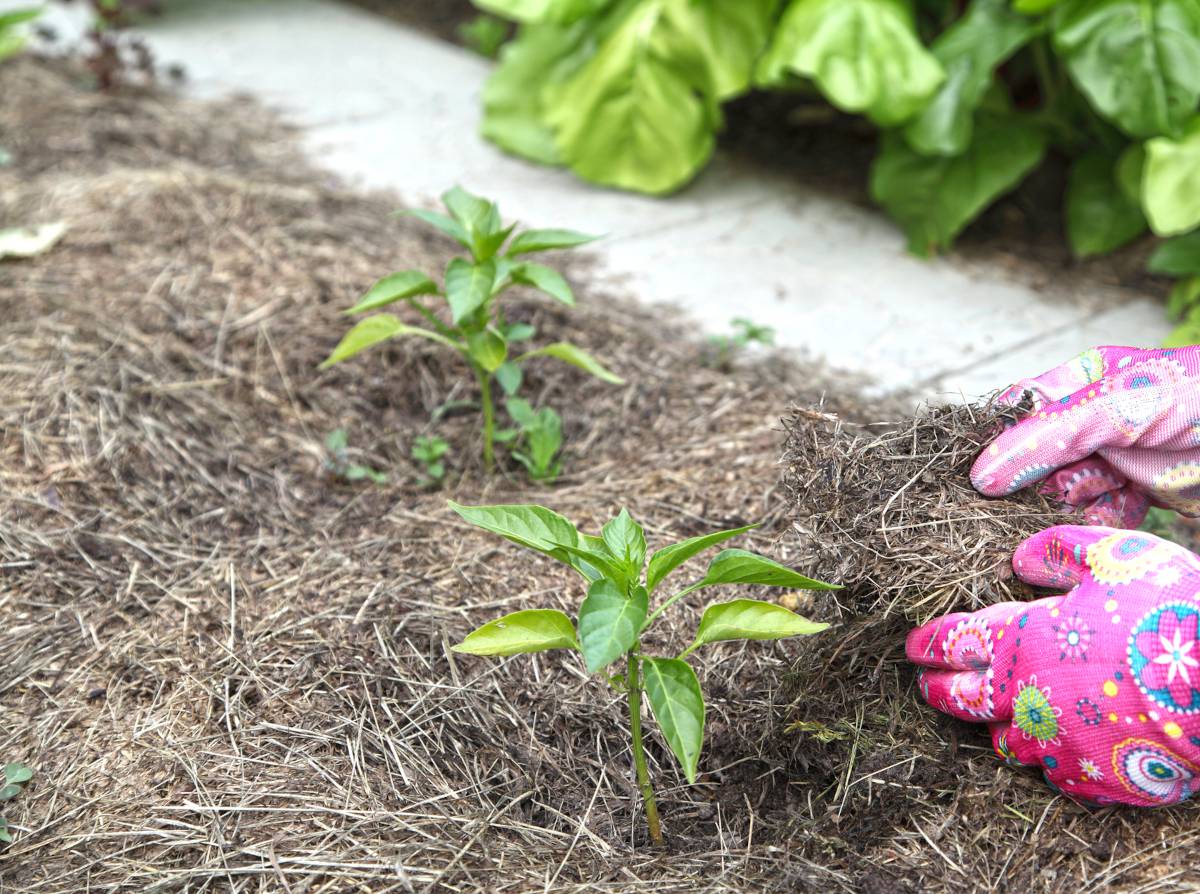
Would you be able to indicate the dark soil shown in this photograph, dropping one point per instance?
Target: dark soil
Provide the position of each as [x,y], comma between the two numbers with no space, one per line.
[831,153]
[231,669]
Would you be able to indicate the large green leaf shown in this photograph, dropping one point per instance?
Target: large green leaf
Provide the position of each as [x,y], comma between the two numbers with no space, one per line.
[532,630]
[376,329]
[468,287]
[541,10]
[545,240]
[737,566]
[536,528]
[751,619]
[1137,61]
[933,198]
[545,279]
[1171,182]
[969,50]
[626,541]
[727,36]
[569,353]
[1177,257]
[609,622]
[1100,216]
[667,559]
[865,56]
[674,695]
[641,113]
[532,68]
[395,287]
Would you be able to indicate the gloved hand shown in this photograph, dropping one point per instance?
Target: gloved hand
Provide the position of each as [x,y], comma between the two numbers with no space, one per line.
[1112,431]
[1100,686]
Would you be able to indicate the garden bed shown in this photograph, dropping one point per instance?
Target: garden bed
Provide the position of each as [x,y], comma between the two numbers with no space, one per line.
[231,670]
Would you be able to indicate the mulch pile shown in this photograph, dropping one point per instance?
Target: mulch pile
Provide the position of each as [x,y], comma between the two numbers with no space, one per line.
[231,669]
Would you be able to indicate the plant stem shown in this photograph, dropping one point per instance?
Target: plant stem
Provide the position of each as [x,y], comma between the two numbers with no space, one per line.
[634,683]
[489,416]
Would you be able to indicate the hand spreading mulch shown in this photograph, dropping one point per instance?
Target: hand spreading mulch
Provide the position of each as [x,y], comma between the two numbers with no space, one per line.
[230,669]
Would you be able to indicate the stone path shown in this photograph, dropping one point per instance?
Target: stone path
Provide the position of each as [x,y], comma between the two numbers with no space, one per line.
[389,107]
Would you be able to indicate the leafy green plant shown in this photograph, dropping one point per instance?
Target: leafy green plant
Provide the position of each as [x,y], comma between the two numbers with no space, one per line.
[724,348]
[477,329]
[428,451]
[15,777]
[12,41]
[484,34]
[536,440]
[970,97]
[338,462]
[621,580]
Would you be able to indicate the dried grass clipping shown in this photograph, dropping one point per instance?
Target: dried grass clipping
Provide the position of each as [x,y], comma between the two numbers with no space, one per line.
[892,516]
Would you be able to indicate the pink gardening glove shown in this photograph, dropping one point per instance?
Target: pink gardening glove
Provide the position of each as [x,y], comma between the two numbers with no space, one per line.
[1112,431]
[1100,686]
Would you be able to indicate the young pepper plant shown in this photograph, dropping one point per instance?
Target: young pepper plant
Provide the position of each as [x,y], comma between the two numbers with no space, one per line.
[477,329]
[621,579]
[15,777]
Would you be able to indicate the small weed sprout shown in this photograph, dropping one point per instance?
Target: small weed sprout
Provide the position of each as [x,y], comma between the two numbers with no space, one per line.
[336,443]
[724,349]
[471,286]
[536,440]
[615,613]
[15,777]
[427,451]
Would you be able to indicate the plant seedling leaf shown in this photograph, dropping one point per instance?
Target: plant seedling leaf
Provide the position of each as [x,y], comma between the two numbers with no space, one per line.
[737,566]
[472,212]
[509,375]
[546,240]
[468,287]
[667,559]
[5,836]
[28,242]
[375,329]
[532,630]
[534,527]
[568,353]
[545,279]
[751,619]
[395,287]
[8,792]
[609,623]
[626,541]
[1177,257]
[487,349]
[1100,216]
[678,705]
[450,227]
[17,773]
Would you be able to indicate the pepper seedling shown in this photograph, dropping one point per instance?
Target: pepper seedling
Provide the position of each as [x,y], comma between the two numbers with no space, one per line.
[621,579]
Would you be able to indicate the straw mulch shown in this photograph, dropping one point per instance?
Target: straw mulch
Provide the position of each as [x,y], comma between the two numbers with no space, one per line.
[231,670]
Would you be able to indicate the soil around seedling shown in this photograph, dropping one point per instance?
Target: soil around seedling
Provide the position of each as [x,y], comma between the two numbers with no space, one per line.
[231,670]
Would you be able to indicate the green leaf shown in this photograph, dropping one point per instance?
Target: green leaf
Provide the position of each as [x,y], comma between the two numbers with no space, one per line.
[569,353]
[487,349]
[28,242]
[509,375]
[336,441]
[1130,165]
[532,68]
[532,630]
[969,50]
[17,16]
[751,619]
[667,559]
[641,113]
[546,240]
[1100,216]
[1185,334]
[933,198]
[609,623]
[726,38]
[1184,297]
[674,695]
[471,211]
[17,773]
[519,332]
[737,566]
[5,835]
[1034,7]
[541,10]
[626,541]
[451,228]
[1171,182]
[534,527]
[1177,257]
[11,42]
[864,55]
[8,792]
[545,279]
[468,287]
[396,287]
[376,329]
[1137,61]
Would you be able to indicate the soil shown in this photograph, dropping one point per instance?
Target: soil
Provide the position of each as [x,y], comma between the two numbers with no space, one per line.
[231,669]
[831,153]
